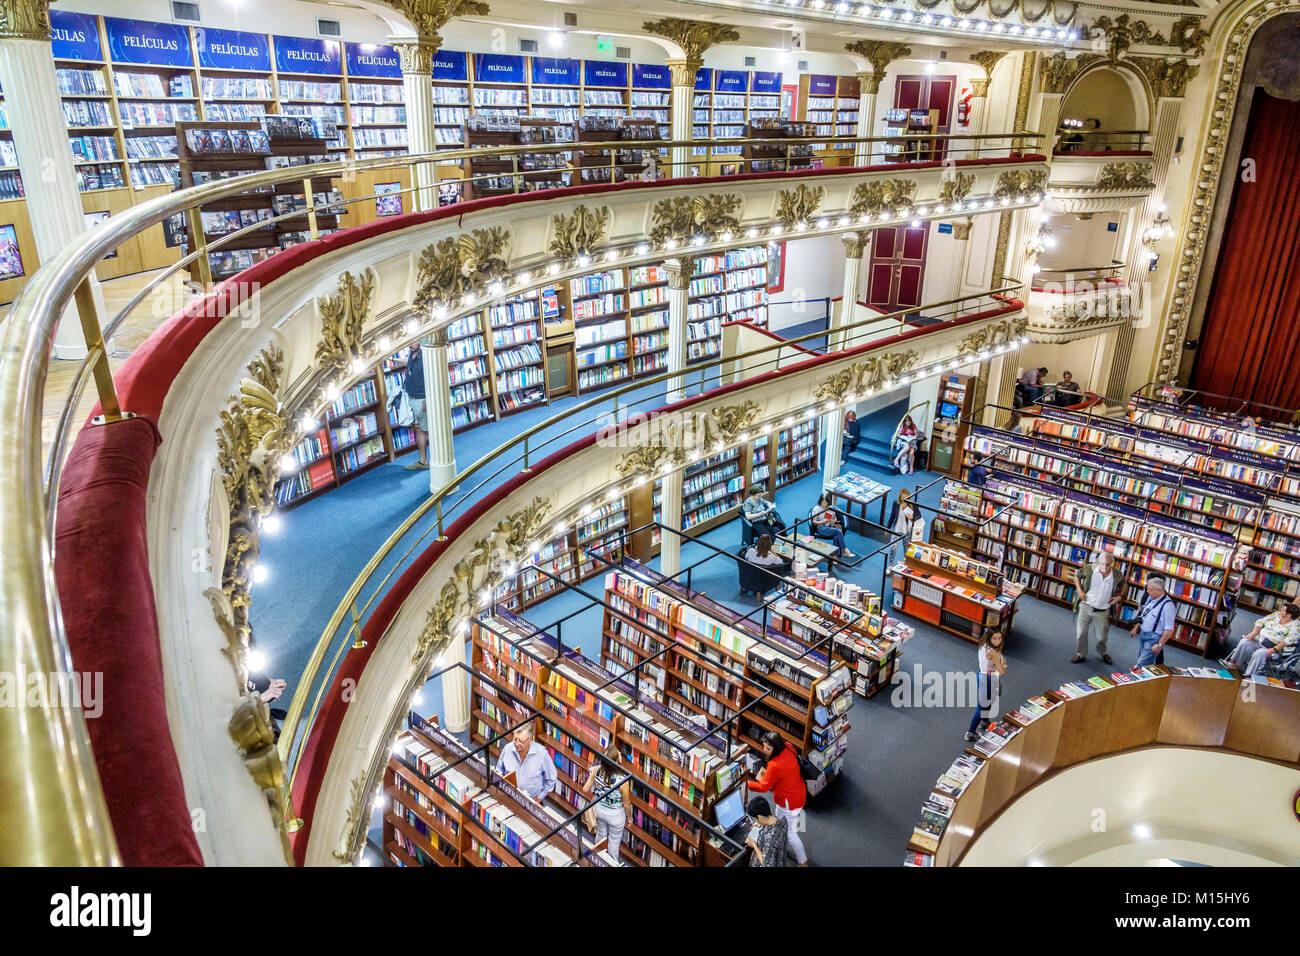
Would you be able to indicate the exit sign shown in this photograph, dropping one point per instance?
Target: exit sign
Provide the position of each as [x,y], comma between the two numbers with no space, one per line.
[604,43]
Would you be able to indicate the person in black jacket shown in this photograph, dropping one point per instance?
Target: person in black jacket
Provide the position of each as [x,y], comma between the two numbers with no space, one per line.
[852,433]
[414,385]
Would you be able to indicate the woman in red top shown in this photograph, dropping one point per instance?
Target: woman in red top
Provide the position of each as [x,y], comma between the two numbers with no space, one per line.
[781,777]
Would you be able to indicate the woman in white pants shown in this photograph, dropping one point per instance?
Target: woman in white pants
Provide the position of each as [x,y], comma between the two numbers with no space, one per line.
[611,809]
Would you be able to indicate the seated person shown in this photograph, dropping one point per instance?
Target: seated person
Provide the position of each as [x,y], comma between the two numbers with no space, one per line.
[978,475]
[761,514]
[852,433]
[761,553]
[826,524]
[1274,633]
[1067,391]
[1030,384]
[906,440]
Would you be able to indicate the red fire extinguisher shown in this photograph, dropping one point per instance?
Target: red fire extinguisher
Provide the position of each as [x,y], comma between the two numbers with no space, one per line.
[963,106]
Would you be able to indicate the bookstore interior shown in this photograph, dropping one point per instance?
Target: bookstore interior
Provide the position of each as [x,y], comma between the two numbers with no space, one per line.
[816,434]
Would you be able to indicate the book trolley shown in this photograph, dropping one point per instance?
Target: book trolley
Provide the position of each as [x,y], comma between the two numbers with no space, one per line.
[1093,718]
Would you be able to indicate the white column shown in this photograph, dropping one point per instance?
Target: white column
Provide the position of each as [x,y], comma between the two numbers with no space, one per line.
[455,687]
[833,429]
[683,72]
[31,92]
[417,89]
[679,283]
[670,515]
[978,113]
[855,243]
[869,89]
[437,391]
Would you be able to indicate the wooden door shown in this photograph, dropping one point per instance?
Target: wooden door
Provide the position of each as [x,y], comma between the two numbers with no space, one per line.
[896,272]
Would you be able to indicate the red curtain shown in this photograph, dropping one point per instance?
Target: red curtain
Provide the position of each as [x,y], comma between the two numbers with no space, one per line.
[1250,342]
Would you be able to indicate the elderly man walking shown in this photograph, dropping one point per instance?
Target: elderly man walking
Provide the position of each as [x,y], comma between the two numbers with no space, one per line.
[1155,624]
[1095,593]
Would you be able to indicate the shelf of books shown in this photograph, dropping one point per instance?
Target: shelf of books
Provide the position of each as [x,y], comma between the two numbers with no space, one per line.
[467,371]
[796,451]
[774,157]
[719,662]
[574,555]
[442,809]
[624,163]
[585,707]
[601,324]
[954,592]
[725,103]
[518,354]
[900,125]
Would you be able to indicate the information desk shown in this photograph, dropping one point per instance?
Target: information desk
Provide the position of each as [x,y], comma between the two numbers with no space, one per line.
[857,489]
[1204,707]
[953,592]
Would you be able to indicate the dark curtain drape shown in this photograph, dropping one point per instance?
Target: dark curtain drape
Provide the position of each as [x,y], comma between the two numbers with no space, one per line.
[1250,342]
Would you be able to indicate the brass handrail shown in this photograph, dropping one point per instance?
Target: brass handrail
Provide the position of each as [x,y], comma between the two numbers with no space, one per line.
[58,814]
[299,719]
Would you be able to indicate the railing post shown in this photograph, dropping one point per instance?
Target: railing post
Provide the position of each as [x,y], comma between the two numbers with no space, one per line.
[438,507]
[514,173]
[313,231]
[110,410]
[200,246]
[357,643]
[527,469]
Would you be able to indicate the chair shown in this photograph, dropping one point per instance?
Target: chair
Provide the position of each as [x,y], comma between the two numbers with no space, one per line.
[747,533]
[756,579]
[1283,668]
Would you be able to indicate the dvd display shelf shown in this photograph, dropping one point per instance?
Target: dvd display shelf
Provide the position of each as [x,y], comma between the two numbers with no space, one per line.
[725,102]
[524,172]
[773,157]
[719,662]
[901,129]
[584,708]
[445,808]
[1045,533]
[830,105]
[616,165]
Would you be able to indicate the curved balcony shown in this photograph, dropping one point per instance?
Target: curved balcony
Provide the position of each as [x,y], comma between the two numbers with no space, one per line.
[1102,172]
[1077,302]
[228,383]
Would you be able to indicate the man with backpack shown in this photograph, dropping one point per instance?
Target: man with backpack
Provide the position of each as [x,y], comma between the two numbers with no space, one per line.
[1095,593]
[783,778]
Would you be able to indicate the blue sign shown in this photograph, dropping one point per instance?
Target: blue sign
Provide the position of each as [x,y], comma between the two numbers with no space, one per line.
[648,77]
[498,68]
[232,50]
[372,59]
[604,73]
[548,71]
[300,55]
[731,81]
[945,229]
[75,36]
[450,65]
[138,41]
[1112,227]
[703,78]
[766,83]
[821,85]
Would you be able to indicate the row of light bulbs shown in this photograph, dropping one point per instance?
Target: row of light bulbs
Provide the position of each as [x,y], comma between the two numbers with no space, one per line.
[867,11]
[520,282]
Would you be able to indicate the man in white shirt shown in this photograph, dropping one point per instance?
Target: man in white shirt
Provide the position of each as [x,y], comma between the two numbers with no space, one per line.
[1095,593]
[529,761]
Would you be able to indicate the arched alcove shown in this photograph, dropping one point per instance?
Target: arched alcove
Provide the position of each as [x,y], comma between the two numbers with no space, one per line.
[1116,98]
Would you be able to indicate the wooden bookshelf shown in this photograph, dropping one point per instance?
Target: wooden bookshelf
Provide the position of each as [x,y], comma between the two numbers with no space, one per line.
[900,124]
[773,157]
[955,406]
[570,556]
[953,592]
[623,164]
[830,105]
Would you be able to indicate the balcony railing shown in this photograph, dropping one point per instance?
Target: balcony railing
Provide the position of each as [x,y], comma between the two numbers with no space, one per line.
[1101,142]
[58,815]
[1074,280]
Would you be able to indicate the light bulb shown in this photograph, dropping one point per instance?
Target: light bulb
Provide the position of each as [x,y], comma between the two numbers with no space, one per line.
[271,523]
[260,573]
[256,661]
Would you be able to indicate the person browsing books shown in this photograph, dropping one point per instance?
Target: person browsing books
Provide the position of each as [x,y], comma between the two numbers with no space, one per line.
[761,514]
[769,837]
[414,386]
[781,778]
[852,433]
[901,519]
[1155,624]
[529,762]
[1273,633]
[1094,596]
[988,680]
[610,811]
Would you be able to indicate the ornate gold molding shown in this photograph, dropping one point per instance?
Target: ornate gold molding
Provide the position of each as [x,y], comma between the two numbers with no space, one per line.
[683,72]
[873,198]
[979,87]
[347,851]
[680,269]
[869,82]
[879,53]
[1019,182]
[798,205]
[683,217]
[855,244]
[579,233]
[416,56]
[1005,332]
[1056,71]
[955,189]
[1126,176]
[961,228]
[430,16]
[699,433]
[342,317]
[1166,77]
[694,37]
[25,20]
[1187,34]
[987,60]
[463,266]
[1121,33]
[864,377]
[483,570]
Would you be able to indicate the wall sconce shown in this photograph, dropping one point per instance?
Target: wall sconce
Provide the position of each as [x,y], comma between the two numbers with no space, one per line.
[1036,246]
[1161,228]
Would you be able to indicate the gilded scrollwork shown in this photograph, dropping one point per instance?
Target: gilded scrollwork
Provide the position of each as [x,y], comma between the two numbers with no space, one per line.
[953,190]
[1126,176]
[865,376]
[25,20]
[461,266]
[430,16]
[680,440]
[1005,332]
[1121,33]
[579,233]
[681,218]
[873,198]
[343,317]
[798,205]
[1016,183]
[693,36]
[347,851]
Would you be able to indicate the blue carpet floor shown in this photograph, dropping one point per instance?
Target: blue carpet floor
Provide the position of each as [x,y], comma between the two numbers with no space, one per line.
[895,749]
